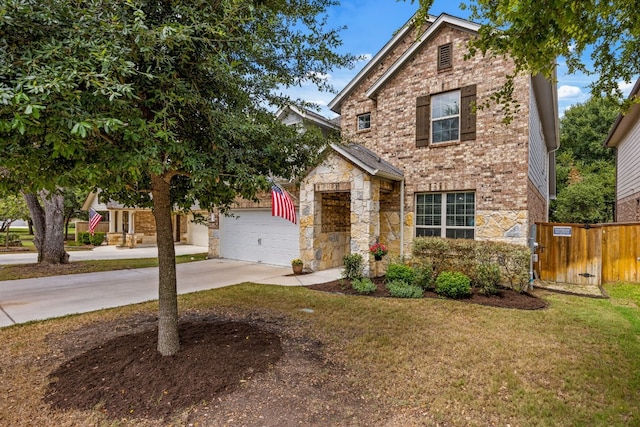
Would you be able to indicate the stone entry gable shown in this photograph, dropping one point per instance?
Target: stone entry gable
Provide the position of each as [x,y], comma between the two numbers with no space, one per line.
[345,206]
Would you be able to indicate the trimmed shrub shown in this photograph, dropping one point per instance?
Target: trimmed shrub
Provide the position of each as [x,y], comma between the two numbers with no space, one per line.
[363,285]
[84,237]
[14,239]
[87,239]
[424,275]
[96,239]
[466,255]
[402,272]
[487,278]
[400,289]
[453,284]
[353,266]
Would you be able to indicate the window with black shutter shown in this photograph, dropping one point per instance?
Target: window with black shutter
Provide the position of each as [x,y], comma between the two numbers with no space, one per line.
[446,117]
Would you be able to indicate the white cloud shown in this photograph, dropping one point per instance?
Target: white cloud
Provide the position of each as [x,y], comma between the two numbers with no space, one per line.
[569,92]
[625,87]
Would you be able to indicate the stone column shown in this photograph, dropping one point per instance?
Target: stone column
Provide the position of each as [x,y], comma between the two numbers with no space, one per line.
[309,214]
[365,217]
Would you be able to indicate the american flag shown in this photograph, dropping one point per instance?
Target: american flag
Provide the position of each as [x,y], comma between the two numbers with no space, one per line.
[94,219]
[281,204]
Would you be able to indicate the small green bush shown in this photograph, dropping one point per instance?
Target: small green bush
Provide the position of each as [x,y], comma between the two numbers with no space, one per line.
[353,266]
[424,275]
[402,272]
[363,285]
[453,284]
[87,239]
[400,289]
[14,239]
[487,278]
[96,239]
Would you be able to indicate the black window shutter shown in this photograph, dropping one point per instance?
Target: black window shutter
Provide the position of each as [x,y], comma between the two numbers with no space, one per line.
[467,115]
[423,119]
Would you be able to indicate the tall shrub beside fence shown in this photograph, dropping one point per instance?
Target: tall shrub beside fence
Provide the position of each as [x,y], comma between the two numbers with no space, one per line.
[465,256]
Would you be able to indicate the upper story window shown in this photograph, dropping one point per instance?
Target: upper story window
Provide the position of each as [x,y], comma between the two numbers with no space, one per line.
[445,117]
[364,121]
[445,54]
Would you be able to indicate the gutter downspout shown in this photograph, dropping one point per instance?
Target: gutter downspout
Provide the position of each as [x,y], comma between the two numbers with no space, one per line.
[402,218]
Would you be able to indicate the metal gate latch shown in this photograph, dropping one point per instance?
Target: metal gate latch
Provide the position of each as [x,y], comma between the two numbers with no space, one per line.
[586,275]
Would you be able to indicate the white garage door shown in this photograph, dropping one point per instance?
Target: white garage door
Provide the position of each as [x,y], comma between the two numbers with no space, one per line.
[255,235]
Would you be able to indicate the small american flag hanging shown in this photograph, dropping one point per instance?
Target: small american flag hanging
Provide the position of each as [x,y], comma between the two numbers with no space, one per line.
[94,219]
[281,204]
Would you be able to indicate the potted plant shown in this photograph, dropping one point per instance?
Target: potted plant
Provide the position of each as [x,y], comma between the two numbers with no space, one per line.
[378,251]
[297,265]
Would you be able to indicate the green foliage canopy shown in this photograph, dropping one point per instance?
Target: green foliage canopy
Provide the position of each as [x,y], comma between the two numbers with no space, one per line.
[159,103]
[595,38]
[586,169]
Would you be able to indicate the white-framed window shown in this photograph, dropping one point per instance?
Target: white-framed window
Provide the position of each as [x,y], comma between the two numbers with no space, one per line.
[364,121]
[445,117]
[451,215]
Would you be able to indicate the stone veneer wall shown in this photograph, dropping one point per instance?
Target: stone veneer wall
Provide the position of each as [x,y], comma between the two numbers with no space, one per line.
[390,220]
[321,250]
[494,165]
[628,209]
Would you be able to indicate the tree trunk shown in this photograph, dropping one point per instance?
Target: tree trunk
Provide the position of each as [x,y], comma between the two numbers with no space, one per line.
[48,226]
[168,339]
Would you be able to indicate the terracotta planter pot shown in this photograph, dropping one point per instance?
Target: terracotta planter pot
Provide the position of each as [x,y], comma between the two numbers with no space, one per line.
[297,269]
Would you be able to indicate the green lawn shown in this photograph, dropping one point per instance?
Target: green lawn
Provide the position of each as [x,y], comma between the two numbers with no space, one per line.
[428,361]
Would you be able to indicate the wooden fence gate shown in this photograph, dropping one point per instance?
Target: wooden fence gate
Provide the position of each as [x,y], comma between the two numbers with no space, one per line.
[588,254]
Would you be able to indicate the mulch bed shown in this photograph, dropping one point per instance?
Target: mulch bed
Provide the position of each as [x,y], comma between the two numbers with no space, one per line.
[506,298]
[131,379]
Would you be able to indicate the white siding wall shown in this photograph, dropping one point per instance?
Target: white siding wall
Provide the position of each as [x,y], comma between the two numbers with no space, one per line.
[629,163]
[538,157]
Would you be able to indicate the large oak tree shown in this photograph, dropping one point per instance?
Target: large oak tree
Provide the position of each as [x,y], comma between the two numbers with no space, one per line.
[165,103]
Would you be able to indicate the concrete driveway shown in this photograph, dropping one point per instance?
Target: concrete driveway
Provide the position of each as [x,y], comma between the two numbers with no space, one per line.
[102,252]
[37,299]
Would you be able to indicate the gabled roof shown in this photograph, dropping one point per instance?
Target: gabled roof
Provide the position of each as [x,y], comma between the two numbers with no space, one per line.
[308,115]
[335,104]
[441,21]
[624,122]
[369,161]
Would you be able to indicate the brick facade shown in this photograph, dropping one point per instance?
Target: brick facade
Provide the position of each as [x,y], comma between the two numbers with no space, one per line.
[494,165]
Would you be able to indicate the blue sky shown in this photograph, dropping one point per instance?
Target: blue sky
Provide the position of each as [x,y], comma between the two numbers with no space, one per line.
[371,23]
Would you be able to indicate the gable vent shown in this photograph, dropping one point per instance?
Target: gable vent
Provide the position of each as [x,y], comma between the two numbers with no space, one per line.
[444,56]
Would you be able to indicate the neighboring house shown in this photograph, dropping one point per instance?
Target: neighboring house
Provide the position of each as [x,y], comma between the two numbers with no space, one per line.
[249,232]
[625,138]
[137,226]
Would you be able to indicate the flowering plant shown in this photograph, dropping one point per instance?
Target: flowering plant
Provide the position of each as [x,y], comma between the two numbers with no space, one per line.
[378,249]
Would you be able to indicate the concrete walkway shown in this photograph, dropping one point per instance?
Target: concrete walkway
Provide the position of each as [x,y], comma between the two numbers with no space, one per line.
[43,298]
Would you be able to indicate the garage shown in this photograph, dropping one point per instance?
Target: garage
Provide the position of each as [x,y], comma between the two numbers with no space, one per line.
[255,235]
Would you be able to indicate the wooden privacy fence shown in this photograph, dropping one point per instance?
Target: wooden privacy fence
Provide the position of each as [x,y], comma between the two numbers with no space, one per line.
[588,254]
[82,226]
